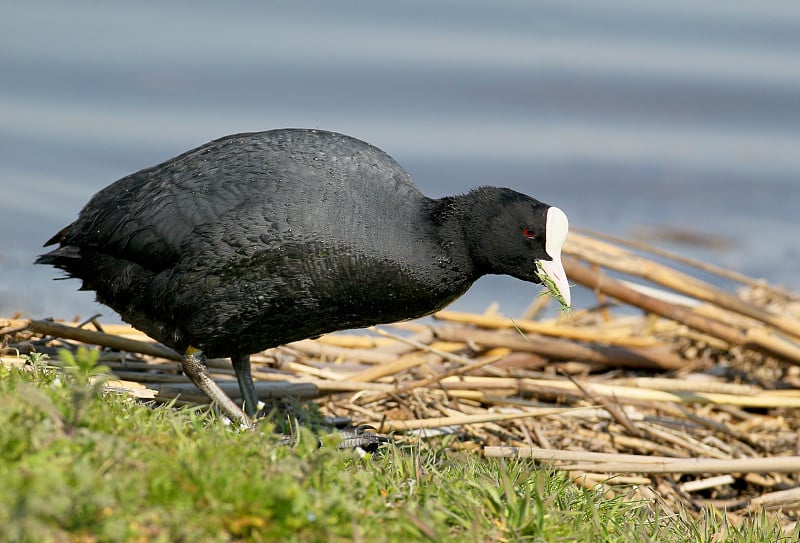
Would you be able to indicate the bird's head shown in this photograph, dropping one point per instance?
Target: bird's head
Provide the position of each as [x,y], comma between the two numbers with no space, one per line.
[522,237]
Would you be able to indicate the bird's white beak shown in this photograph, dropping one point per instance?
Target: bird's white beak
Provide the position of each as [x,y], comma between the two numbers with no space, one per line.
[556,234]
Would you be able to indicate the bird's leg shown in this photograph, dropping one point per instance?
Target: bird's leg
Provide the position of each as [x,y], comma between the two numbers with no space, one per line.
[241,366]
[195,369]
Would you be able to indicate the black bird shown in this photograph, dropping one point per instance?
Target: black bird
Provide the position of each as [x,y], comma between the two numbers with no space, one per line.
[254,240]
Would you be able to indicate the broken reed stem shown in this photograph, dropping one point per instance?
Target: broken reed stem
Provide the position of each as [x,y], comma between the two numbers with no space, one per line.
[424,347]
[783,499]
[713,386]
[264,390]
[765,399]
[709,482]
[618,259]
[436,378]
[759,339]
[610,337]
[333,352]
[669,255]
[605,462]
[559,349]
[399,364]
[460,420]
[103,339]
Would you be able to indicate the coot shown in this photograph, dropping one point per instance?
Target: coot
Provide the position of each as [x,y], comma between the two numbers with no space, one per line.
[254,240]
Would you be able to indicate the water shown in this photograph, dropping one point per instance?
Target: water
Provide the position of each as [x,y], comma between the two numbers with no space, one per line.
[625,114]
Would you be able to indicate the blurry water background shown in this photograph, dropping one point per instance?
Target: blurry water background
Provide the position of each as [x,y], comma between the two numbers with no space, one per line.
[632,116]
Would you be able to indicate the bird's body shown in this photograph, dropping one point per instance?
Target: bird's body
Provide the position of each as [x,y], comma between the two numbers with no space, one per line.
[254,240]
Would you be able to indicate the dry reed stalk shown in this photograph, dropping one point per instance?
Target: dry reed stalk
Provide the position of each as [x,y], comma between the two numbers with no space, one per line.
[569,456]
[331,352]
[770,480]
[782,499]
[560,349]
[125,330]
[322,373]
[535,327]
[149,377]
[367,413]
[399,364]
[536,307]
[460,420]
[726,316]
[613,408]
[708,482]
[618,259]
[592,481]
[689,385]
[423,336]
[773,464]
[474,395]
[414,327]
[102,339]
[771,344]
[14,361]
[706,422]
[766,399]
[436,378]
[13,326]
[140,365]
[613,463]
[134,388]
[330,387]
[681,439]
[623,479]
[354,341]
[697,264]
[424,347]
[433,350]
[264,390]
[643,445]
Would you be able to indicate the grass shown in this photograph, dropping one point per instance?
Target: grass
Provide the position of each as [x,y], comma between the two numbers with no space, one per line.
[79,465]
[552,288]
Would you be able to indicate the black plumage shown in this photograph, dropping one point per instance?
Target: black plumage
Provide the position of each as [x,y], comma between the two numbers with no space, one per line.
[258,239]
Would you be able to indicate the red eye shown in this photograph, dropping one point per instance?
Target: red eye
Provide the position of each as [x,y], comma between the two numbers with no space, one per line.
[528,232]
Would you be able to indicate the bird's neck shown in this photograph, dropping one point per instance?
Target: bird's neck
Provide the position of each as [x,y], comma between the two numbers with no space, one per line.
[455,219]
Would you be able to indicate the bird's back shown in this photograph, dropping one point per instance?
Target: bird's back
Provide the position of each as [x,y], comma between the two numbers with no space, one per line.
[288,173]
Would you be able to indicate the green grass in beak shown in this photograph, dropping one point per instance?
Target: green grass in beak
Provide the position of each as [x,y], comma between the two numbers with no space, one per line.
[552,289]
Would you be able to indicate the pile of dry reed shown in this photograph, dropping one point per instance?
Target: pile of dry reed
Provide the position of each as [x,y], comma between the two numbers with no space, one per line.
[668,389]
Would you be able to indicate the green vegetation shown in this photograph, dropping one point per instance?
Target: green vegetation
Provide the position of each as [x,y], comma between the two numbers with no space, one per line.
[77,464]
[552,288]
